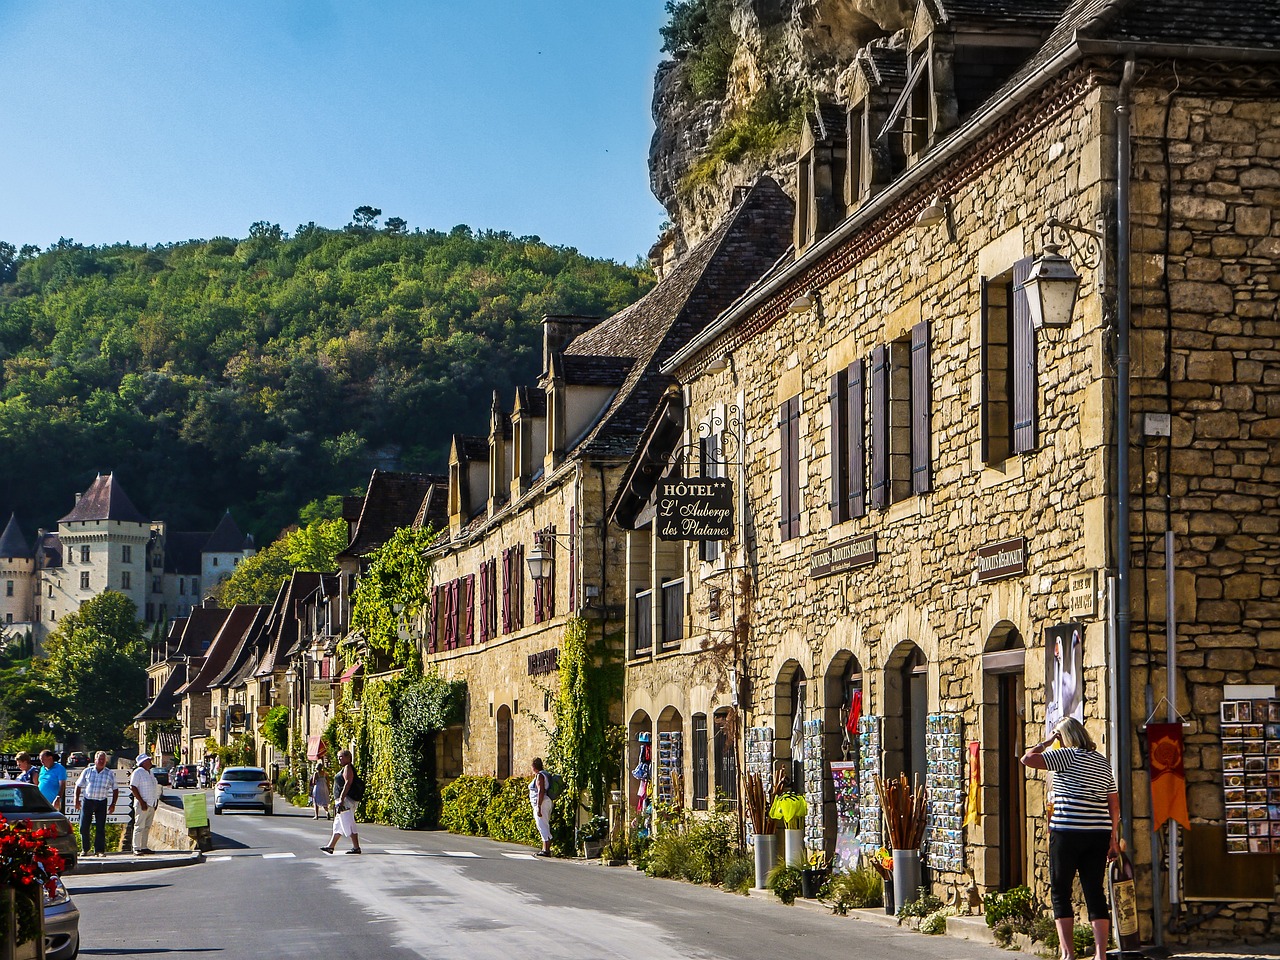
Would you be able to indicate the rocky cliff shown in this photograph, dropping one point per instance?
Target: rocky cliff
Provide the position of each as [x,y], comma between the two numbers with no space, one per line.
[784,53]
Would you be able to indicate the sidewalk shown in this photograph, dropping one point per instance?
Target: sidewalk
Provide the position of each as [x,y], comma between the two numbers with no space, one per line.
[128,862]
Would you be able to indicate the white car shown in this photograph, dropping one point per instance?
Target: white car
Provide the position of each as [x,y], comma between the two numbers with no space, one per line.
[242,788]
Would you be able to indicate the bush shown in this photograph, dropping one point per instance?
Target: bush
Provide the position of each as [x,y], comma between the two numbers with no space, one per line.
[33,741]
[275,727]
[694,848]
[854,889]
[738,873]
[115,835]
[784,881]
[510,817]
[924,904]
[465,803]
[287,785]
[1082,934]
[936,922]
[1016,906]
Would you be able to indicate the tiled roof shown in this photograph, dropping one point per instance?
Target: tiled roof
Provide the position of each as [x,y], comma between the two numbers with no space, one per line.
[594,371]
[827,121]
[708,279]
[1240,23]
[1019,13]
[532,401]
[884,66]
[226,644]
[433,513]
[13,543]
[202,625]
[165,704]
[283,627]
[243,656]
[226,537]
[105,500]
[49,550]
[471,449]
[182,552]
[391,501]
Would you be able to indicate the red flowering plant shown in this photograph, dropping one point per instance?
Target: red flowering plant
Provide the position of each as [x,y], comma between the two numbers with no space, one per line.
[27,863]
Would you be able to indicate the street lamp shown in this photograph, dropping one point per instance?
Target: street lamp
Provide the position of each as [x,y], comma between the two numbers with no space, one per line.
[1051,288]
[540,563]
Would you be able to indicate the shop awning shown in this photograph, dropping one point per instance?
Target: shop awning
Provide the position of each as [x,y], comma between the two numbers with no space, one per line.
[349,673]
[316,748]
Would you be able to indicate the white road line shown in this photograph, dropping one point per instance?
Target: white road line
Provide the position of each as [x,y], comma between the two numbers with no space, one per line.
[460,853]
[520,856]
[401,851]
[278,856]
[215,859]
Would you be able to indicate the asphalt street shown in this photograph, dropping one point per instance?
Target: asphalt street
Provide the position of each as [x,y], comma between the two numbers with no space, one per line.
[268,891]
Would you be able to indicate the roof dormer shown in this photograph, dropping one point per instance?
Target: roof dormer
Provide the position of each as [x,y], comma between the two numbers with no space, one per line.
[468,479]
[879,73]
[579,387]
[820,174]
[500,442]
[528,438]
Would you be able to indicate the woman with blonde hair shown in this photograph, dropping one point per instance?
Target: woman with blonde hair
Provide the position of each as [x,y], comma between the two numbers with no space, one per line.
[1084,828]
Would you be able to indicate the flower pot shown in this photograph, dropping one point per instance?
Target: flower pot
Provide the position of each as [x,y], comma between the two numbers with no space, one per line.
[797,855]
[766,850]
[811,881]
[591,848]
[906,876]
[888,897]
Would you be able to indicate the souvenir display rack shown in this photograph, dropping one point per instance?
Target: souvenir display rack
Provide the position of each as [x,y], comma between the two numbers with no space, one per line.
[945,780]
[1251,774]
[814,785]
[670,763]
[869,816]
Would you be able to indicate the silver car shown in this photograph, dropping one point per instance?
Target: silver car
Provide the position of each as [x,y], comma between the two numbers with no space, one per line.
[61,925]
[242,788]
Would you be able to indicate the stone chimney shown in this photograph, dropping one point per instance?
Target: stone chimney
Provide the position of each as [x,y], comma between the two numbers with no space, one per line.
[559,331]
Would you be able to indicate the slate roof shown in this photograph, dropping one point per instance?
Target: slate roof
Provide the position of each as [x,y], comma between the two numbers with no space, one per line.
[827,121]
[243,659]
[471,449]
[392,500]
[593,371]
[12,543]
[226,537]
[182,552]
[728,261]
[49,551]
[226,643]
[1240,23]
[532,401]
[283,627]
[433,512]
[1013,13]
[105,500]
[202,625]
[165,704]
[884,66]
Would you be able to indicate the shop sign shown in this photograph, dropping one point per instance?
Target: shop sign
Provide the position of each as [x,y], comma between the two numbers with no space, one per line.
[321,691]
[210,723]
[843,555]
[235,715]
[695,508]
[544,662]
[1008,558]
[1082,595]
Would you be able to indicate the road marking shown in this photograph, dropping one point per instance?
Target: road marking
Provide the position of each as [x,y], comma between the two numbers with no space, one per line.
[215,859]
[520,856]
[278,856]
[460,853]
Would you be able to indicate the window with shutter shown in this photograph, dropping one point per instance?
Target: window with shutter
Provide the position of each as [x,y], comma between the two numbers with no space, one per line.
[856,440]
[710,464]
[506,590]
[921,421]
[1009,420]
[482,631]
[517,587]
[432,629]
[880,427]
[466,615]
[838,403]
[1024,363]
[698,755]
[789,457]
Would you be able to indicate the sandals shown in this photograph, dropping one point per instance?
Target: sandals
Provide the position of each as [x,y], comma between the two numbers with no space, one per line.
[328,850]
[355,850]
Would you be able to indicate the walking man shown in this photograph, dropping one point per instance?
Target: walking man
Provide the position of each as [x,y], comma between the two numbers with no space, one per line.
[26,772]
[96,795]
[146,794]
[540,800]
[53,780]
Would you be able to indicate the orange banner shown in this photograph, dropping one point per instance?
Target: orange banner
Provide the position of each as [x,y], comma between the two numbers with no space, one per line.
[975,786]
[1168,780]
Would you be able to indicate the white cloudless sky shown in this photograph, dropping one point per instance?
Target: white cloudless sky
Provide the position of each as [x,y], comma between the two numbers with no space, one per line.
[150,122]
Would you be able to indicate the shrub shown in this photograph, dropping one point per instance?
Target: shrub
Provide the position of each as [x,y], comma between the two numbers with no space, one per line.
[33,741]
[464,805]
[712,840]
[510,817]
[738,872]
[1081,934]
[936,922]
[1018,906]
[670,856]
[854,889]
[924,904]
[275,727]
[115,835]
[784,881]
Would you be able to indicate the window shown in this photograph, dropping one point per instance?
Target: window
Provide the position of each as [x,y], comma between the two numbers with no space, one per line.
[126,553]
[726,757]
[710,464]
[151,612]
[84,554]
[488,622]
[672,613]
[157,585]
[848,443]
[84,581]
[8,618]
[126,580]
[182,585]
[8,588]
[901,444]
[1008,366]
[859,163]
[51,589]
[698,749]
[466,610]
[513,588]
[642,606]
[215,561]
[789,459]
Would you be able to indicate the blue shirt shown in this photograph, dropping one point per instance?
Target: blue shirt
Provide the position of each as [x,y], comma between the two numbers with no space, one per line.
[29,775]
[51,781]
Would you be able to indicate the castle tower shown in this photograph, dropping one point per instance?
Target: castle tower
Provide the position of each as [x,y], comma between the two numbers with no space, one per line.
[17,576]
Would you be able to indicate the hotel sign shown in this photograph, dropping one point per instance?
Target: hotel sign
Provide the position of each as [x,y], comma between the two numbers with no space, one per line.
[843,555]
[695,508]
[544,662]
[1008,558]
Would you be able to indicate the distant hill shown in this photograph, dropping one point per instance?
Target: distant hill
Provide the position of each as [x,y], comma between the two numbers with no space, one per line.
[259,374]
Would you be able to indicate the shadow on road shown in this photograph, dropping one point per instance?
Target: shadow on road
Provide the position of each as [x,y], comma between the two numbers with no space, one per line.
[119,888]
[226,843]
[141,951]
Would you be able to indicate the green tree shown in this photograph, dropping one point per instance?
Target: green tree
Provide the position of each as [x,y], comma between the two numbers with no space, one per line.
[257,579]
[95,669]
[392,590]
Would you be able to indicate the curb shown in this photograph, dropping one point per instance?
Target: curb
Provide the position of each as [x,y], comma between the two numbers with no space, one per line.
[126,863]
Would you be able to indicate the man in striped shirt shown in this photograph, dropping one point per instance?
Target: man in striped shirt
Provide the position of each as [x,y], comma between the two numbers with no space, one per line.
[96,793]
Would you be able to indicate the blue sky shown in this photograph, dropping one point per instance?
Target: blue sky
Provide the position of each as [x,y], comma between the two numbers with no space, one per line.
[153,122]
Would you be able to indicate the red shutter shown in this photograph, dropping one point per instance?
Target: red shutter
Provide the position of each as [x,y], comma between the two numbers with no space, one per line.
[1022,359]
[921,421]
[856,447]
[517,586]
[549,591]
[431,621]
[880,427]
[837,398]
[506,590]
[467,612]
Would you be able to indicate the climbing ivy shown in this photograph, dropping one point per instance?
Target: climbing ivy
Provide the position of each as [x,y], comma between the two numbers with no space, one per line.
[398,576]
[275,727]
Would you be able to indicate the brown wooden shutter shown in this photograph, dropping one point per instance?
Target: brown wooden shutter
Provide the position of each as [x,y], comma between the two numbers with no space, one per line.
[790,462]
[517,587]
[467,611]
[431,621]
[1022,359]
[880,427]
[483,631]
[549,595]
[506,590]
[921,421]
[856,445]
[837,398]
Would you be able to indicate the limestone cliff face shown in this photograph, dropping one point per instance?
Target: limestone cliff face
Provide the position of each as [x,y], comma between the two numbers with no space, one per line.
[791,48]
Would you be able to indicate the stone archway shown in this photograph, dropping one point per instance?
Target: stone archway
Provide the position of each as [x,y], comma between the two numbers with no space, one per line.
[842,680]
[790,693]
[1004,820]
[906,709]
[670,769]
[640,723]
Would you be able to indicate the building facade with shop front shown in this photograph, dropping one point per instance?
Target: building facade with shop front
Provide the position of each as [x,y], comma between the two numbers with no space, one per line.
[925,478]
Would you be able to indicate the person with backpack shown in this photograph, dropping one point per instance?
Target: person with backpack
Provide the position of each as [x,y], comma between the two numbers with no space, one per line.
[347,793]
[540,797]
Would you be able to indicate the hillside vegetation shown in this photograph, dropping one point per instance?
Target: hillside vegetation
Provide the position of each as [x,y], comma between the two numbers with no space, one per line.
[262,373]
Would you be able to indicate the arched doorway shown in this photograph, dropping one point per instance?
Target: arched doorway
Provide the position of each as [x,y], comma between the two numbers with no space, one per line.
[791,691]
[1003,723]
[906,710]
[842,707]
[639,725]
[505,742]
[668,759]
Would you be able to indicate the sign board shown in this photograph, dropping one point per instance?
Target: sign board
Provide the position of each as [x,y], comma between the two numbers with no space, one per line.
[235,715]
[123,812]
[843,555]
[1082,595]
[210,723]
[321,691]
[1008,558]
[196,810]
[1064,672]
[695,508]
[544,662]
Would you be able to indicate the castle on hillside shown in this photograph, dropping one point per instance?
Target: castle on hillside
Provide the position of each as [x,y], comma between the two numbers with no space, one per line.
[106,543]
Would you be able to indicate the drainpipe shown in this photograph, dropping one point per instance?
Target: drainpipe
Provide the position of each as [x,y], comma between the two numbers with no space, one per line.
[1124,616]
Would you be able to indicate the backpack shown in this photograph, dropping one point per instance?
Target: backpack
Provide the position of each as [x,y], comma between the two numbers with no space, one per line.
[356,790]
[555,784]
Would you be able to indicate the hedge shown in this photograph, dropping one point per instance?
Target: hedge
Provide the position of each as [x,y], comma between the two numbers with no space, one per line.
[481,807]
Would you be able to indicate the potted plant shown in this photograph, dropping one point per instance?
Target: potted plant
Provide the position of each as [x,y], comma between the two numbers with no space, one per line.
[591,836]
[813,876]
[904,812]
[29,867]
[789,808]
[763,841]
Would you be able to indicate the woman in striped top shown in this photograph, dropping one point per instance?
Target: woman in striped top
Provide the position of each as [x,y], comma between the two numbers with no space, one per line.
[1084,828]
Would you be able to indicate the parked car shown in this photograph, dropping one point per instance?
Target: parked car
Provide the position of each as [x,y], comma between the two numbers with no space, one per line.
[161,775]
[61,925]
[24,801]
[183,775]
[76,758]
[242,787]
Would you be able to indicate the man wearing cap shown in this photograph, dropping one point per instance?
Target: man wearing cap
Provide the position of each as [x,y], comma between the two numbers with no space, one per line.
[97,786]
[146,794]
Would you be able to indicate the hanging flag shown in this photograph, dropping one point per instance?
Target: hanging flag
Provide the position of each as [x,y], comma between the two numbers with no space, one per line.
[974,801]
[1168,779]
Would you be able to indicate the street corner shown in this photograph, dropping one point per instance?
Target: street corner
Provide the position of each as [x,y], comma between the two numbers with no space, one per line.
[129,862]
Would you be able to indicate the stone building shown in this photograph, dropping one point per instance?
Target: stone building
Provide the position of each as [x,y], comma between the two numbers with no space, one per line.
[930,470]
[536,489]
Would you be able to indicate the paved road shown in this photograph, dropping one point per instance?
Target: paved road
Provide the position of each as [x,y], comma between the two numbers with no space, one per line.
[268,891]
